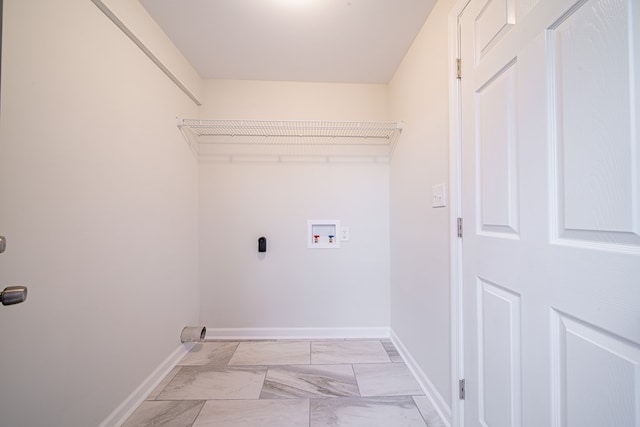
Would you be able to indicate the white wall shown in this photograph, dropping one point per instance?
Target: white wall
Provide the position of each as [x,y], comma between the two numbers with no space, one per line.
[292,286]
[98,200]
[267,100]
[420,303]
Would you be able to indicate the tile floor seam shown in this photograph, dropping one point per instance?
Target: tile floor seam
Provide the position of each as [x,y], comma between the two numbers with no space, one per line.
[421,414]
[204,402]
[356,378]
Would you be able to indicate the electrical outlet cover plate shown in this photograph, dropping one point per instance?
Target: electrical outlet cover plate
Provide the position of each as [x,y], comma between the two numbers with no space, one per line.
[344,236]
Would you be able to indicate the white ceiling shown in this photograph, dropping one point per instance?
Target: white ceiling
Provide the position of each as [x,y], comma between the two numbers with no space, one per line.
[340,41]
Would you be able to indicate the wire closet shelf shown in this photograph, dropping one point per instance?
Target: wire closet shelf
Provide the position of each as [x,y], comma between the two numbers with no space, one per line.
[293,132]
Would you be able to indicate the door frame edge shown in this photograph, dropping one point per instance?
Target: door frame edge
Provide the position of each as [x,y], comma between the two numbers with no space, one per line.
[455,211]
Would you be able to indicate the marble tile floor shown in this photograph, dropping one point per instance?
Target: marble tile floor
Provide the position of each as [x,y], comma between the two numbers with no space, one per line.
[334,383]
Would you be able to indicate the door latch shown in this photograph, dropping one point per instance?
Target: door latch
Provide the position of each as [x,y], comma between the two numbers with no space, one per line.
[13,295]
[3,244]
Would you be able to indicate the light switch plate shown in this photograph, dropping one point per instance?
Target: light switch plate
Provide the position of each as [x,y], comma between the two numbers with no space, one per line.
[439,196]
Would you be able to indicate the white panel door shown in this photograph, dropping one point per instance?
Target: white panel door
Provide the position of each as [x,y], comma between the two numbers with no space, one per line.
[551,211]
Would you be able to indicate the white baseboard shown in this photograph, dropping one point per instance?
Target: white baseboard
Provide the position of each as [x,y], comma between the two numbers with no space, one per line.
[126,408]
[295,333]
[439,403]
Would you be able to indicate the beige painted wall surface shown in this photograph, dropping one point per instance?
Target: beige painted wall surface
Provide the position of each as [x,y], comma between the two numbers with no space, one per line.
[265,100]
[98,200]
[292,286]
[420,302]
[136,19]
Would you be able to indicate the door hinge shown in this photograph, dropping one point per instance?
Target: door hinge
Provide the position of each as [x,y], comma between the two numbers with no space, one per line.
[460,227]
[461,390]
[458,68]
